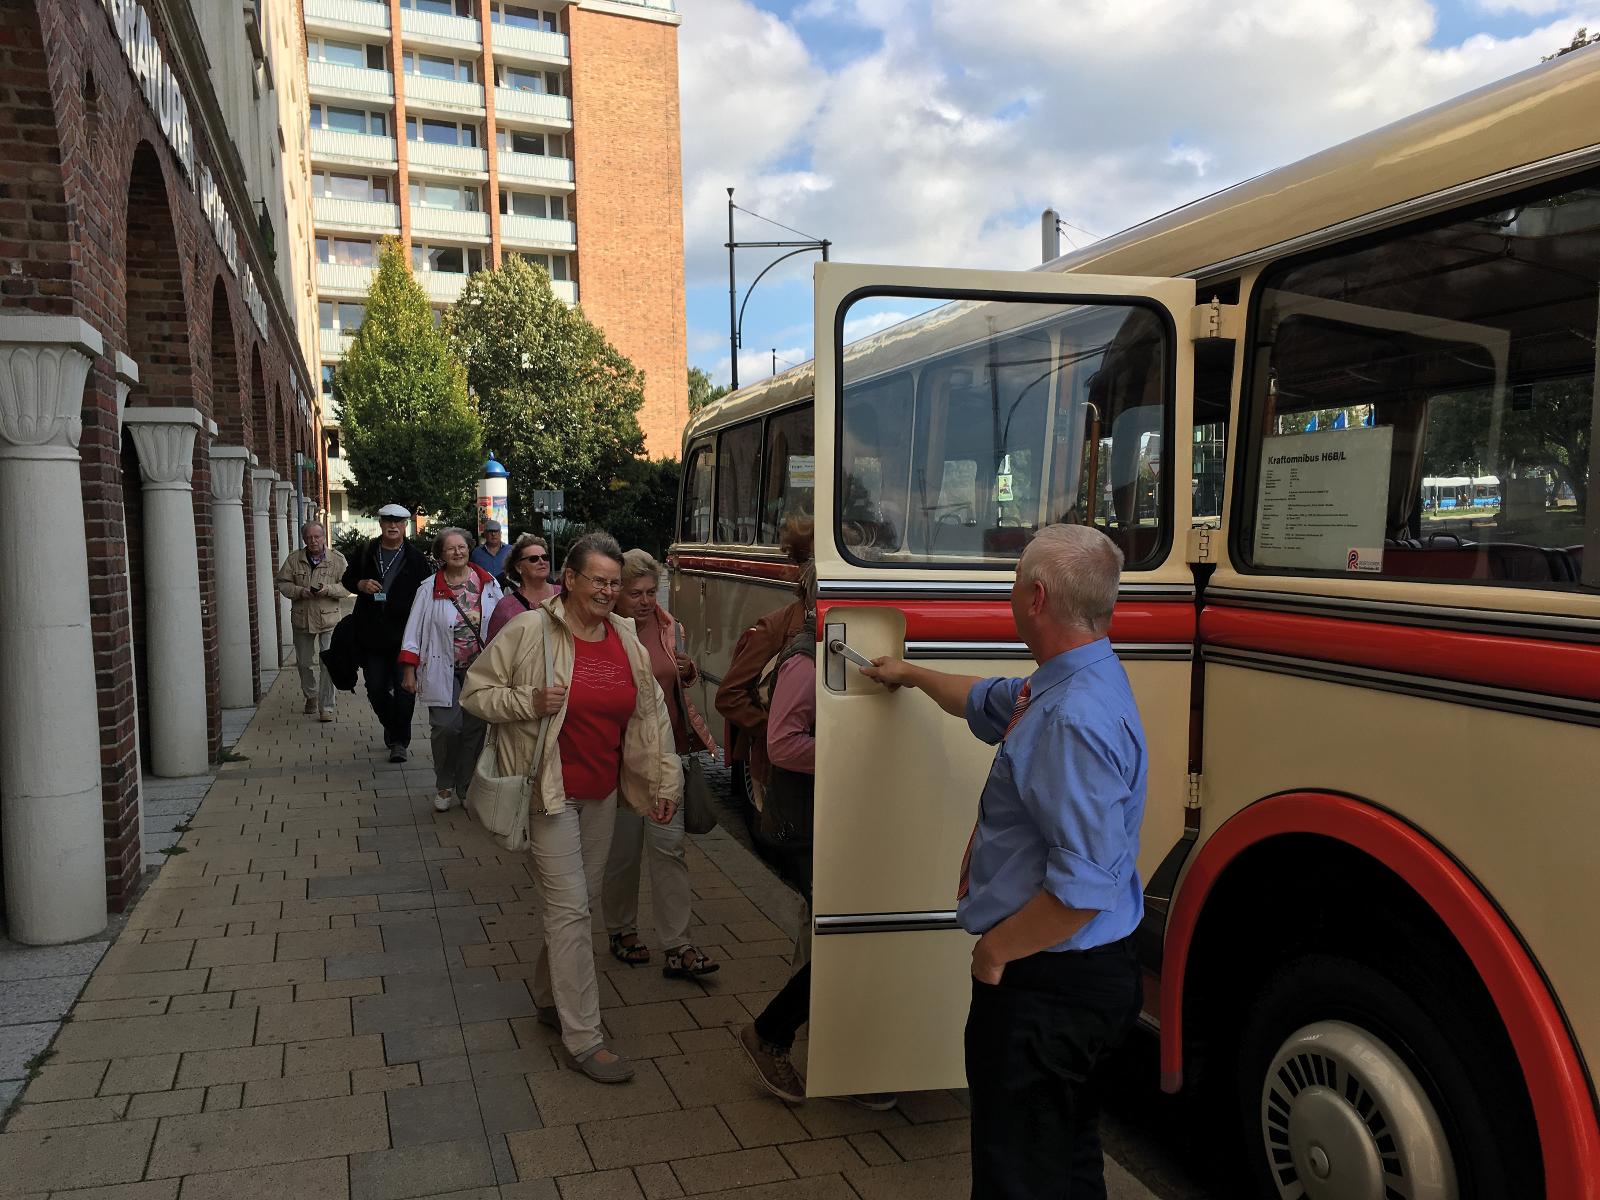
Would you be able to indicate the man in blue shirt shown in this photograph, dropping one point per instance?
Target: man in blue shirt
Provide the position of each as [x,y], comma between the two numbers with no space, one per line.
[1049,881]
[492,554]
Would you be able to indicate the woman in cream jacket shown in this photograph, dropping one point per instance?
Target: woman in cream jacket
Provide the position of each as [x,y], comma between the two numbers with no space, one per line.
[609,737]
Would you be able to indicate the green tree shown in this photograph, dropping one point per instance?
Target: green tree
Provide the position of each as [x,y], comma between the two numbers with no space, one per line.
[642,507]
[1579,41]
[558,403]
[701,390]
[409,433]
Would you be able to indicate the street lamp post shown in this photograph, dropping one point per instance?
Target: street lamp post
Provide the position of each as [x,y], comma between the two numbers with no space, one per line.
[735,308]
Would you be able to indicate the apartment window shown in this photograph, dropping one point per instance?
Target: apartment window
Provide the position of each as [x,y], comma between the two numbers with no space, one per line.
[351,315]
[441,133]
[344,316]
[330,439]
[349,187]
[438,66]
[520,79]
[436,195]
[345,54]
[532,204]
[327,379]
[520,17]
[518,142]
[554,264]
[440,8]
[348,251]
[349,120]
[450,260]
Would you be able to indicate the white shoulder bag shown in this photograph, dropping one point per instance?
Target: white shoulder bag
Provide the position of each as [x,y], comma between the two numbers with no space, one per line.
[500,802]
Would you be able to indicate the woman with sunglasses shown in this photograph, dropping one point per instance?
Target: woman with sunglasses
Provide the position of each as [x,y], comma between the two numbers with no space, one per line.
[608,741]
[528,580]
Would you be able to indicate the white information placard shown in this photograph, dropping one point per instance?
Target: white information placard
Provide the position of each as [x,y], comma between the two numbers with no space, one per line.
[1324,499]
[802,470]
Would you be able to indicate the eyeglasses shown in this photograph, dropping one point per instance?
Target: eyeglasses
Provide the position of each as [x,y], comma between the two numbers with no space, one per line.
[534,558]
[600,585]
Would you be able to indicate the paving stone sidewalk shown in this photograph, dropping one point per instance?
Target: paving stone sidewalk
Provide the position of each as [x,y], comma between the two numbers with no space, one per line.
[323,995]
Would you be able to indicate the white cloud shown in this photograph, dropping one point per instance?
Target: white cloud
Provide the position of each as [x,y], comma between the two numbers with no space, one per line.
[941,142]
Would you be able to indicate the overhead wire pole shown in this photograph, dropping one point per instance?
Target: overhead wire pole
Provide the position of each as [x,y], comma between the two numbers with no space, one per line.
[736,309]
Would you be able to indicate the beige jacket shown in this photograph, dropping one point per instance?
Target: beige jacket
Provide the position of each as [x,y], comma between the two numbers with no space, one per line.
[500,686]
[320,613]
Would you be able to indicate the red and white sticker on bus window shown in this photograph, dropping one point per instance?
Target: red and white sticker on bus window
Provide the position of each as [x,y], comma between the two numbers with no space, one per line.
[1324,499]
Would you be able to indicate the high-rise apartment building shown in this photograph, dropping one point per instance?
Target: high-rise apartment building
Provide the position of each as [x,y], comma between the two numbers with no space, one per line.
[477,129]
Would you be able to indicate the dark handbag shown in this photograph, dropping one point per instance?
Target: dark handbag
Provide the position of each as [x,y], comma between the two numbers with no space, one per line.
[788,810]
[699,810]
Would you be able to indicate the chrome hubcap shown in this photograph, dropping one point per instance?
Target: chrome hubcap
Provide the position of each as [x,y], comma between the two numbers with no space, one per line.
[1343,1118]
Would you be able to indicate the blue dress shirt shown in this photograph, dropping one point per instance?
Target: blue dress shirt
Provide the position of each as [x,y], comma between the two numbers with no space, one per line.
[1064,799]
[495,563]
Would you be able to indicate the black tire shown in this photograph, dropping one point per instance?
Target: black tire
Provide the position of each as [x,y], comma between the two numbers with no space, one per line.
[745,802]
[1435,1024]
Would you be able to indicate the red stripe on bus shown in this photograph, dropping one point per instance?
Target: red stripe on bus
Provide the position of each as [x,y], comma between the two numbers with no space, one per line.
[991,620]
[1569,1137]
[755,568]
[1524,664]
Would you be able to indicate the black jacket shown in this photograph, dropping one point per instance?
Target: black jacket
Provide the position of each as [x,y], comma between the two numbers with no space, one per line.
[380,625]
[342,658]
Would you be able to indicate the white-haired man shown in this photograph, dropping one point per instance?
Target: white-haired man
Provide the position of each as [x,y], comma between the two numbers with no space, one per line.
[1049,881]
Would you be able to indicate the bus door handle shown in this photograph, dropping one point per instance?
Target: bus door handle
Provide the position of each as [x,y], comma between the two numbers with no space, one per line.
[840,655]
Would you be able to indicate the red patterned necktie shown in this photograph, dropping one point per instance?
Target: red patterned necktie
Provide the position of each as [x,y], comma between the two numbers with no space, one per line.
[1024,697]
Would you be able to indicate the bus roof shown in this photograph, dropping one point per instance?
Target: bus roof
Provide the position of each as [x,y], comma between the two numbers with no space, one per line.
[1542,114]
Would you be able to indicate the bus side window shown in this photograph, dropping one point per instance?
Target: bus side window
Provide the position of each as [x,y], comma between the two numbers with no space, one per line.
[1213,387]
[738,476]
[789,489]
[696,526]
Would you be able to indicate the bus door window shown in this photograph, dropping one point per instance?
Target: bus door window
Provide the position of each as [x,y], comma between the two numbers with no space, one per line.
[738,476]
[696,527]
[1437,386]
[791,469]
[874,465]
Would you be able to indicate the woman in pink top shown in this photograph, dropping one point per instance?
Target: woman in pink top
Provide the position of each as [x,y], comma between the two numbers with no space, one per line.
[669,874]
[527,582]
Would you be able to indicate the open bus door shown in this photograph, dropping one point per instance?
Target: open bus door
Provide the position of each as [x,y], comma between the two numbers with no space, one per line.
[1014,399]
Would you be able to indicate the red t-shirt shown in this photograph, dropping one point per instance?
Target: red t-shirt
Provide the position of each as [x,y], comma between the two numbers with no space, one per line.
[600,702]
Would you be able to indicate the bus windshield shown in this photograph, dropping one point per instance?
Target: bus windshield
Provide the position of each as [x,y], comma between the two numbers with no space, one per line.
[965,431]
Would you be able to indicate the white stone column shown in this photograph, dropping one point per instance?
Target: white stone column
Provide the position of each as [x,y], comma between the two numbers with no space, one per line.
[50,817]
[261,482]
[127,376]
[282,498]
[175,651]
[229,466]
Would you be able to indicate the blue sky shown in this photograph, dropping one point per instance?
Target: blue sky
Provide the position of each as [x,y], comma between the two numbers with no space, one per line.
[932,132]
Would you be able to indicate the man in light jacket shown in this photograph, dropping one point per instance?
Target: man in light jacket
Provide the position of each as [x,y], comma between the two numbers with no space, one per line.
[310,580]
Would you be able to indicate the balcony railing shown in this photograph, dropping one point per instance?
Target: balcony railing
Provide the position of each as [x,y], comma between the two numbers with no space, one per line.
[365,216]
[363,148]
[542,167]
[512,41]
[533,106]
[424,91]
[435,27]
[361,16]
[565,289]
[333,343]
[326,77]
[344,279]
[329,416]
[538,231]
[442,285]
[447,160]
[450,222]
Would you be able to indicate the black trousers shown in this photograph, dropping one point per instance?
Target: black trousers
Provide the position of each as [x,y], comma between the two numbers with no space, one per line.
[1032,1044]
[391,703]
[791,1007]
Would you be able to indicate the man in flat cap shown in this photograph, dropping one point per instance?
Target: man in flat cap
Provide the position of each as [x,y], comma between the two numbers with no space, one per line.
[494,551]
[385,576]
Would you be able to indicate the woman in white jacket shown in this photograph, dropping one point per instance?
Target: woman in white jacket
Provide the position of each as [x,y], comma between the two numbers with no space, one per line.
[445,635]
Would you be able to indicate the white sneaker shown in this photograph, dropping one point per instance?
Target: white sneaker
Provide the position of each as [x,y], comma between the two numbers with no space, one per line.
[443,800]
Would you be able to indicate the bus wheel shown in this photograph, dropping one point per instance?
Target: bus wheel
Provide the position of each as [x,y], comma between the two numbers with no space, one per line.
[1351,1086]
[744,795]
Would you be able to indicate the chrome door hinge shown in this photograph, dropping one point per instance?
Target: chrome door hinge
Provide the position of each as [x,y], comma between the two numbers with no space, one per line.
[1214,320]
[1194,790]
[1200,543]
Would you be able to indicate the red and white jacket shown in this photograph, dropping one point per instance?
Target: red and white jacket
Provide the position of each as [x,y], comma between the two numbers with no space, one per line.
[429,642]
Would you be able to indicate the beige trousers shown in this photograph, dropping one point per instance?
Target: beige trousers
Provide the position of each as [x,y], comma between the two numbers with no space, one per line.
[569,851]
[309,663]
[669,877]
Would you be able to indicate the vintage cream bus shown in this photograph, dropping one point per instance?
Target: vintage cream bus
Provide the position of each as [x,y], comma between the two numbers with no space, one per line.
[1371,853]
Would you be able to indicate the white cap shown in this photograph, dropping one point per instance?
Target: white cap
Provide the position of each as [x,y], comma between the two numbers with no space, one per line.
[396,511]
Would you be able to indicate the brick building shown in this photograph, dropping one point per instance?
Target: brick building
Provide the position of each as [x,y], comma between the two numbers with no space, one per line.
[477,129]
[159,437]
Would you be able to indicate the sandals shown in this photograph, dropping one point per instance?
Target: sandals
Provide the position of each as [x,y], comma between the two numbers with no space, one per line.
[635,955]
[686,962]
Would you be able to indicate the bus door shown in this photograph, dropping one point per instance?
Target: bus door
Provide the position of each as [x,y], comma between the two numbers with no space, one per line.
[990,403]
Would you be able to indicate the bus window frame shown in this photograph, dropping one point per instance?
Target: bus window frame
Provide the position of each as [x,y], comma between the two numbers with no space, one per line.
[708,441]
[722,431]
[1244,479]
[1160,551]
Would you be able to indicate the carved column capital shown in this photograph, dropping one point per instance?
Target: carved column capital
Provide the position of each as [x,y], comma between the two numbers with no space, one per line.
[44,362]
[261,482]
[164,438]
[283,494]
[228,467]
[127,375]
